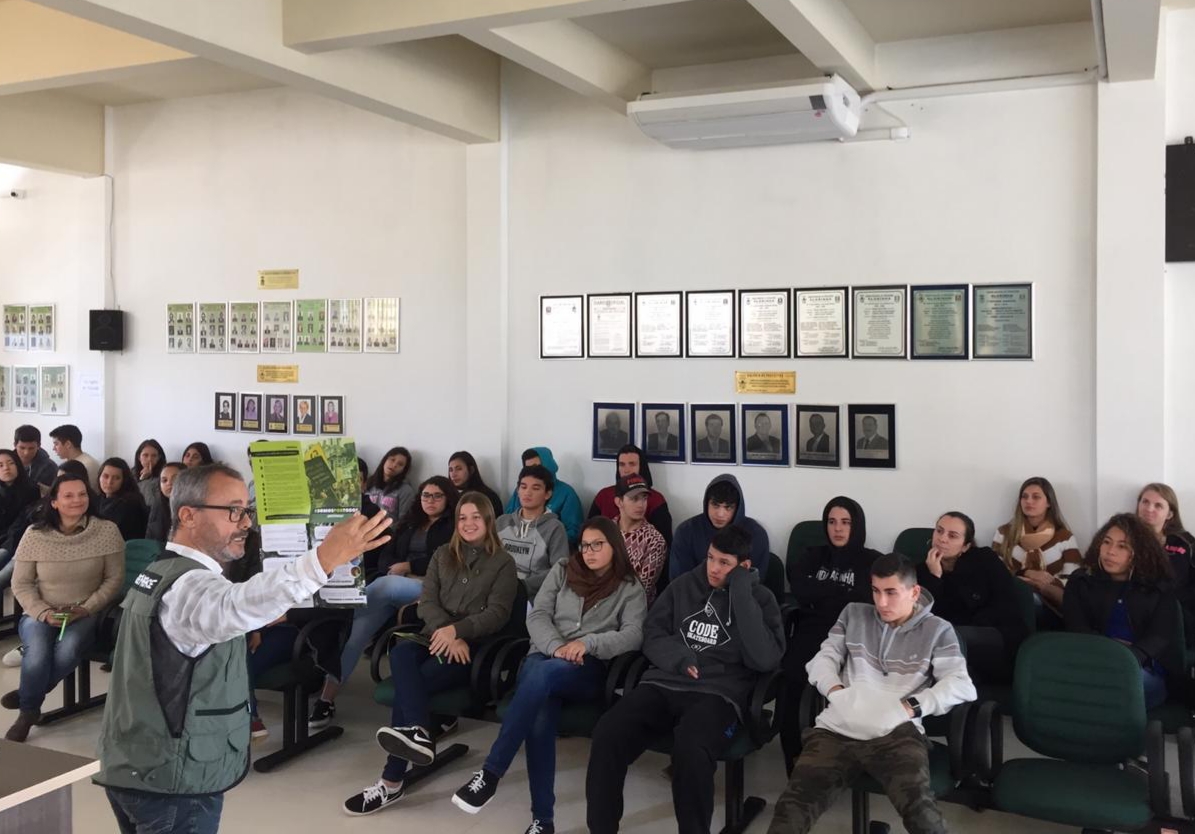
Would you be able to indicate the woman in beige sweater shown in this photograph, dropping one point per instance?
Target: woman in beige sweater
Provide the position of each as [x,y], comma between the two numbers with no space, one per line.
[69,565]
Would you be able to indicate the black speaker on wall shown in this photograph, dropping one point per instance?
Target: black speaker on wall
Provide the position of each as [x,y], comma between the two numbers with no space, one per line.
[1180,201]
[107,330]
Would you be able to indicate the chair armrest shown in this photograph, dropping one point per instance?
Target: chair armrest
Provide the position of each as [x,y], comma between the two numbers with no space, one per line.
[958,741]
[1155,758]
[811,704]
[617,673]
[987,741]
[763,725]
[1186,770]
[635,669]
[381,648]
[408,614]
[308,629]
[503,671]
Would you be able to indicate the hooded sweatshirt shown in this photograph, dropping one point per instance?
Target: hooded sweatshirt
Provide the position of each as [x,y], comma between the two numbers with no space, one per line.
[824,578]
[43,470]
[731,634]
[880,665]
[535,545]
[658,514]
[978,592]
[564,502]
[691,543]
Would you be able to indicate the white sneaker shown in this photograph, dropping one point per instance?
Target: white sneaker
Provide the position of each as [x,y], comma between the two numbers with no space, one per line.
[13,658]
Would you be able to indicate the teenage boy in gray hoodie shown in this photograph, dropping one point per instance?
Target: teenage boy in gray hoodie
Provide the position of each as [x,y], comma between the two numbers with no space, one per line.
[709,636]
[902,663]
[532,534]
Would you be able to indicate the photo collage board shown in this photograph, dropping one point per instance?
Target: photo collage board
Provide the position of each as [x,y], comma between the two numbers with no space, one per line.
[36,389]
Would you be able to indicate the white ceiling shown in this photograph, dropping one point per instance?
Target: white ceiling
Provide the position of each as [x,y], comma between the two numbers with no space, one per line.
[178,79]
[898,20]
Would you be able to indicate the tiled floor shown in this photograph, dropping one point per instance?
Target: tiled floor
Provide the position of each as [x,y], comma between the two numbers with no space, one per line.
[306,795]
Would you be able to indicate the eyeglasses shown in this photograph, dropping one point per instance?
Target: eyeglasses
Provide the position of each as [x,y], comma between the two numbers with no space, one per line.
[593,546]
[432,496]
[235,511]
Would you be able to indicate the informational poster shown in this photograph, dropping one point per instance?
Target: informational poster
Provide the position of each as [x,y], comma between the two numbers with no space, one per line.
[561,327]
[609,326]
[1003,321]
[763,324]
[5,388]
[277,335]
[55,390]
[24,388]
[213,328]
[311,325]
[16,329]
[658,324]
[821,322]
[879,316]
[709,318]
[939,322]
[381,325]
[344,325]
[41,327]
[243,326]
[180,328]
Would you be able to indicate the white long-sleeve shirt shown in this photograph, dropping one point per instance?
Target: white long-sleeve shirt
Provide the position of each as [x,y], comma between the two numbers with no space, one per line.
[202,607]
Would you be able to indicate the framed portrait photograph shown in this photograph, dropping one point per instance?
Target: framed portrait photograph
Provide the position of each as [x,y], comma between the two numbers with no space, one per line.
[243,320]
[879,318]
[1003,321]
[709,323]
[277,414]
[41,327]
[817,436]
[613,428]
[55,389]
[224,406]
[180,328]
[331,415]
[609,322]
[303,414]
[765,434]
[250,412]
[663,431]
[24,388]
[344,325]
[659,322]
[5,388]
[763,324]
[213,328]
[277,327]
[562,327]
[711,425]
[872,436]
[311,325]
[16,327]
[940,320]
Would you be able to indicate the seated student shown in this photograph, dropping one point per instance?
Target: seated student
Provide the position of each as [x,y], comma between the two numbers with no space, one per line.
[468,594]
[533,535]
[158,526]
[872,723]
[709,636]
[645,544]
[26,442]
[387,487]
[402,566]
[463,472]
[1157,506]
[723,504]
[149,460]
[197,454]
[18,496]
[589,610]
[68,445]
[631,461]
[69,564]
[120,500]
[564,504]
[974,592]
[824,579]
[1037,547]
[1124,592]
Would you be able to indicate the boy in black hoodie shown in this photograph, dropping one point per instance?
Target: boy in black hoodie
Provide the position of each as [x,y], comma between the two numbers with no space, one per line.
[708,637]
[722,505]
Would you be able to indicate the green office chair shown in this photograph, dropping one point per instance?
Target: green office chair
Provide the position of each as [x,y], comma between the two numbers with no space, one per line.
[915,543]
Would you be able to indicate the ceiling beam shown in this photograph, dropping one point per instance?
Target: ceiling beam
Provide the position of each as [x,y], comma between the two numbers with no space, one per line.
[1131,33]
[52,131]
[829,35]
[447,87]
[318,25]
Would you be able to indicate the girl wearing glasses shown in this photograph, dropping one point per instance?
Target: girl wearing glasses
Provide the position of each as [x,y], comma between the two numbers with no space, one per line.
[401,567]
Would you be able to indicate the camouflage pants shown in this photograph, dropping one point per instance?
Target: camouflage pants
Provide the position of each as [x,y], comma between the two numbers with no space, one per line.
[830,764]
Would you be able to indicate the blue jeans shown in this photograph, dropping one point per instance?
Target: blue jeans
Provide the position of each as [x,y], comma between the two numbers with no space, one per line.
[385,595]
[277,647]
[46,660]
[417,675]
[544,684]
[1155,686]
[148,813]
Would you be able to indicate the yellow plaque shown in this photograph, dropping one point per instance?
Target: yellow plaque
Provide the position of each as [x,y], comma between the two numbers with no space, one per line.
[277,373]
[277,279]
[765,382]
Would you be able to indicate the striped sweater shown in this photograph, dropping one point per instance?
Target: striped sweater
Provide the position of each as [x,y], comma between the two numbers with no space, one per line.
[879,666]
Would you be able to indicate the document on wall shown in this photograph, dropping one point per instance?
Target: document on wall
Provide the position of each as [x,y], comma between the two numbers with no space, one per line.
[561,327]
[763,323]
[710,323]
[880,315]
[821,322]
[610,325]
[657,324]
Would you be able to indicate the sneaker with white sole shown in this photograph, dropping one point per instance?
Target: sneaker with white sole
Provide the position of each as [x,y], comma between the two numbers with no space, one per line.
[372,799]
[13,658]
[537,827]
[477,792]
[410,743]
[258,729]
[443,725]
[322,713]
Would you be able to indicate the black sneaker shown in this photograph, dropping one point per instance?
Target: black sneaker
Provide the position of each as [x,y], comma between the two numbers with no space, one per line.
[477,792]
[443,725]
[538,827]
[322,714]
[410,743]
[372,799]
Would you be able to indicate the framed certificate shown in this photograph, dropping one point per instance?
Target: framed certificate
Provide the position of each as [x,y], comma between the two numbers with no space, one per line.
[763,324]
[609,323]
[821,322]
[1003,321]
[940,321]
[562,327]
[709,323]
[659,318]
[880,319]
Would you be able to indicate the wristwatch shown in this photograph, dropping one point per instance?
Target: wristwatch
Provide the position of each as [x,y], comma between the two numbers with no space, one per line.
[915,706]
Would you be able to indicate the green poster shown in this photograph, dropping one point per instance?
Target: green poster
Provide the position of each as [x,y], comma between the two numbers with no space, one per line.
[311,331]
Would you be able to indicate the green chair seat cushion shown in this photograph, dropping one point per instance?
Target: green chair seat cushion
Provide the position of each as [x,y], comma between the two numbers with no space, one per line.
[285,675]
[940,780]
[457,701]
[1072,793]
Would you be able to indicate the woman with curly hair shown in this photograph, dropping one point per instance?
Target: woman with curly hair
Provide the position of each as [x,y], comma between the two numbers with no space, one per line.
[1124,591]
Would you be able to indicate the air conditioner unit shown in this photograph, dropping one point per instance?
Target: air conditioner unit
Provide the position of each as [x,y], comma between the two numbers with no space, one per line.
[806,111]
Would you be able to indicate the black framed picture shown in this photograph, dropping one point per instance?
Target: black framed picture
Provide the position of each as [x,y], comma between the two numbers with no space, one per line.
[764,320]
[940,321]
[609,325]
[303,413]
[250,412]
[613,428]
[1002,321]
[712,427]
[765,434]
[331,415]
[562,327]
[224,411]
[277,414]
[818,436]
[710,317]
[872,436]
[663,431]
[659,324]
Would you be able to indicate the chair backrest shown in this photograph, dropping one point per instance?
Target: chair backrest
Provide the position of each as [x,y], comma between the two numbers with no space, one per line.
[805,534]
[914,543]
[138,554]
[1079,697]
[773,578]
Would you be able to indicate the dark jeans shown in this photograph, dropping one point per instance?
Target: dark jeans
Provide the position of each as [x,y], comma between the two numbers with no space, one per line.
[417,675]
[987,658]
[147,813]
[46,660]
[702,726]
[277,647]
[807,638]
[544,684]
[830,763]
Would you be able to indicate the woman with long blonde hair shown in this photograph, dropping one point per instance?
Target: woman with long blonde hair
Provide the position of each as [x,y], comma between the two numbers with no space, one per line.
[1036,544]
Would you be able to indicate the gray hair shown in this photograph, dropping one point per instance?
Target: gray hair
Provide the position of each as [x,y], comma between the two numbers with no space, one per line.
[190,487]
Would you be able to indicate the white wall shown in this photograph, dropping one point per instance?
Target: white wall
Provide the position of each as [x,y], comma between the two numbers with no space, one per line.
[991,188]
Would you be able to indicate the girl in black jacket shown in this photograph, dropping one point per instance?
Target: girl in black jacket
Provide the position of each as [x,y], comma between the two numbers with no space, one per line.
[120,499]
[1124,592]
[18,496]
[1157,506]
[462,471]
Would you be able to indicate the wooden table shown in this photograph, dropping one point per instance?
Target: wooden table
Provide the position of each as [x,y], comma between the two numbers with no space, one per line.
[35,788]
